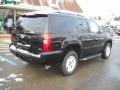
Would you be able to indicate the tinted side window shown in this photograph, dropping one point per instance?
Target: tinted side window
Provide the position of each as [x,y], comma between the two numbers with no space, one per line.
[60,24]
[94,27]
[82,26]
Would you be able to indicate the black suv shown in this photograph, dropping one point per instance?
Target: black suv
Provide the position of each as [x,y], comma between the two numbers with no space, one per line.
[58,38]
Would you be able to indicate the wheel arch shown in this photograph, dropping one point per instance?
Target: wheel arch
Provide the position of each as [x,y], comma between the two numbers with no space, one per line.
[74,46]
[108,41]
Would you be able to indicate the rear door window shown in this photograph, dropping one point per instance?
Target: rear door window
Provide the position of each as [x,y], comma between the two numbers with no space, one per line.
[82,25]
[61,24]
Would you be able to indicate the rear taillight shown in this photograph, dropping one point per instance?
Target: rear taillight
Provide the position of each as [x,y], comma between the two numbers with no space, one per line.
[12,37]
[47,42]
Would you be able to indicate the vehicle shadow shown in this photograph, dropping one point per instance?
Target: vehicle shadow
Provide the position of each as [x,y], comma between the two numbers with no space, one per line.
[55,71]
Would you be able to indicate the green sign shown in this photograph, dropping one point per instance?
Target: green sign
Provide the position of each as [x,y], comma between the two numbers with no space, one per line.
[9,1]
[1,22]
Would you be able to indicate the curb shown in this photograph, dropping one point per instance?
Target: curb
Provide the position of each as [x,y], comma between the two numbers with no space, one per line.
[4,37]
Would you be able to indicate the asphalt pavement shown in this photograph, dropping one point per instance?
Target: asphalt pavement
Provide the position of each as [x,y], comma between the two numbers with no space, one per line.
[95,74]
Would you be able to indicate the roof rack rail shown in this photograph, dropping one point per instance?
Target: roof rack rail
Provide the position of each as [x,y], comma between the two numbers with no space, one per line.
[70,12]
[65,12]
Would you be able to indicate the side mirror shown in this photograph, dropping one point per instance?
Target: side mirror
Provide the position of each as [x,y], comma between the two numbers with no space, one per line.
[101,30]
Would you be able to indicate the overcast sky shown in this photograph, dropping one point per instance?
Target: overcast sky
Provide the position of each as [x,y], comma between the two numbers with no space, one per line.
[100,7]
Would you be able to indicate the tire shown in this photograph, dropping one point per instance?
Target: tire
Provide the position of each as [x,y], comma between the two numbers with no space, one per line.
[69,63]
[106,51]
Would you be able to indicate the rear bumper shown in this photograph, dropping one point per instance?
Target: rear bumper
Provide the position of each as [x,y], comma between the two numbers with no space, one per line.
[50,58]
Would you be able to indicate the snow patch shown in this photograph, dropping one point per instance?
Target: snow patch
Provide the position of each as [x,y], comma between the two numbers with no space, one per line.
[2,60]
[1,69]
[8,88]
[24,62]
[3,80]
[12,75]
[18,79]
[1,84]
[20,74]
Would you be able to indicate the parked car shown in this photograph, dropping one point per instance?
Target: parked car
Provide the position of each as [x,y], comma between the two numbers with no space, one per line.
[59,38]
[109,30]
[118,30]
[118,33]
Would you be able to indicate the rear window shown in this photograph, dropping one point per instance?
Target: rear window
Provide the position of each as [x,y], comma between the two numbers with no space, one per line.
[33,23]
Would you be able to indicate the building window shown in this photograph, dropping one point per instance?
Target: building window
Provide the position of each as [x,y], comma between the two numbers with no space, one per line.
[53,3]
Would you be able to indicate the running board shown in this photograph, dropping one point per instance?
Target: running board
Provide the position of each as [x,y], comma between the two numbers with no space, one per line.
[90,57]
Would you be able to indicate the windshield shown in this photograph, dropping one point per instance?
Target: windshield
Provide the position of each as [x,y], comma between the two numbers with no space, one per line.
[33,24]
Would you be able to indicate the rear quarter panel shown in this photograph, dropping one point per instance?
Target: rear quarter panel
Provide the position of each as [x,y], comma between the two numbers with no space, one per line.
[61,27]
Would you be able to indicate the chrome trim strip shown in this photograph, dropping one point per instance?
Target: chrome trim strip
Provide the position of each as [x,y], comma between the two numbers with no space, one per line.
[53,52]
[90,57]
[23,45]
[12,47]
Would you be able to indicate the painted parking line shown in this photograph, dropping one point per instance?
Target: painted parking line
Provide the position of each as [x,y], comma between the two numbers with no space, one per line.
[8,54]
[4,51]
[5,46]
[2,44]
[7,41]
[3,59]
[1,48]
